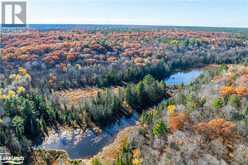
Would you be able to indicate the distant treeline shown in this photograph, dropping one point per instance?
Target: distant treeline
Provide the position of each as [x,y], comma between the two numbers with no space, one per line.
[104,76]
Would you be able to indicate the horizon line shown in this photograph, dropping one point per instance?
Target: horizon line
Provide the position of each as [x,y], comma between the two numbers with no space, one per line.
[155,25]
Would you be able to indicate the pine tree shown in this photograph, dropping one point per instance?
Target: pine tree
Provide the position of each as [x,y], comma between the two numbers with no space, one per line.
[18,123]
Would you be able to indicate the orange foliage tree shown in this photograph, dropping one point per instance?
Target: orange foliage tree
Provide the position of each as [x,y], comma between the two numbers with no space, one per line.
[216,128]
[177,120]
[241,91]
[227,90]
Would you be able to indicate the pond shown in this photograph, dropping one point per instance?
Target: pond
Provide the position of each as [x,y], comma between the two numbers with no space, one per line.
[80,144]
[185,77]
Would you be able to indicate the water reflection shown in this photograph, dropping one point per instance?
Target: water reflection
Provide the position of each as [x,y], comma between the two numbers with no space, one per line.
[87,144]
[183,77]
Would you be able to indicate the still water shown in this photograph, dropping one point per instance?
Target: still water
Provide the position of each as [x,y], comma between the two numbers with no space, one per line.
[183,77]
[85,145]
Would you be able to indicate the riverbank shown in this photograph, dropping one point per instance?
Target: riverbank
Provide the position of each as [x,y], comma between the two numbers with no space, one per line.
[87,144]
[108,154]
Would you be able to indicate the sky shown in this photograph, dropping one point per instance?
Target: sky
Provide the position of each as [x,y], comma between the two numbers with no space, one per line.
[214,13]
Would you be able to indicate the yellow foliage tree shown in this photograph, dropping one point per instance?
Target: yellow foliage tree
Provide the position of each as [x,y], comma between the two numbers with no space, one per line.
[136,157]
[20,90]
[171,109]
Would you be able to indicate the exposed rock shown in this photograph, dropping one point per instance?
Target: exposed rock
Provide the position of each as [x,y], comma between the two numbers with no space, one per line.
[207,159]
[241,154]
[218,148]
[158,143]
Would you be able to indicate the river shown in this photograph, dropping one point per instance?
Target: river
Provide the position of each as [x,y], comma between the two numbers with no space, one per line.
[80,144]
